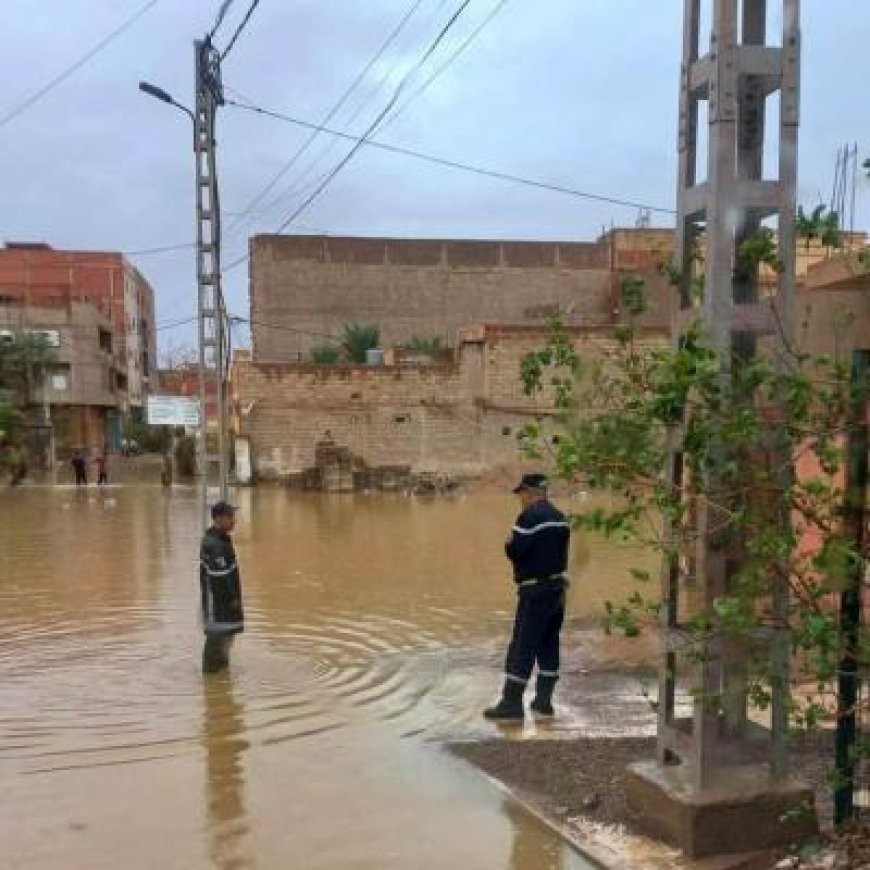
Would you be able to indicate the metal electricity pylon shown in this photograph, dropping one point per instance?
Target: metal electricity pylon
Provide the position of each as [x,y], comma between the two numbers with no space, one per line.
[742,70]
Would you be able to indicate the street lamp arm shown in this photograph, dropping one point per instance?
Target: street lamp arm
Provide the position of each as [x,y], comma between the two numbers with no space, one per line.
[164,97]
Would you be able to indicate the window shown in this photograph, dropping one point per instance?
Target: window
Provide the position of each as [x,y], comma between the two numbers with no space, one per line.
[105,339]
[58,378]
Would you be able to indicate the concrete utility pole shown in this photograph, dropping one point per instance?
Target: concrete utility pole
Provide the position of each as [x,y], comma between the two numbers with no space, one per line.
[211,310]
[707,764]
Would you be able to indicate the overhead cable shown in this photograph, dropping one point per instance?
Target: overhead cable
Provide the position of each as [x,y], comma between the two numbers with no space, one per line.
[450,60]
[454,164]
[240,28]
[330,114]
[222,12]
[302,182]
[60,77]
[373,126]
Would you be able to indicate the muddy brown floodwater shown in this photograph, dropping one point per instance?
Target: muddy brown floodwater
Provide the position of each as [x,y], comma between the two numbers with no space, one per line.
[375,626]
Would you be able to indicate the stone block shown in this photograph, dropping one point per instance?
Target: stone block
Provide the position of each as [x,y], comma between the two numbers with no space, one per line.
[745,811]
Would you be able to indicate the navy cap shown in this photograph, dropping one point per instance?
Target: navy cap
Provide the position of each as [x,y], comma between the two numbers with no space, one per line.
[532,481]
[222,508]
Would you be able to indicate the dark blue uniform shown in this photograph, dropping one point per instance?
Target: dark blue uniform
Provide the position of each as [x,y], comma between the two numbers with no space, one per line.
[221,597]
[538,549]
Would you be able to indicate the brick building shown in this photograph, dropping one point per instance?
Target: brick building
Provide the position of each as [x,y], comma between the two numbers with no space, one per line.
[488,300]
[304,289]
[75,399]
[36,275]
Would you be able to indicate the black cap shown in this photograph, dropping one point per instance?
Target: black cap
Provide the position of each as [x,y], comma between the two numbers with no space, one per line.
[532,481]
[222,508]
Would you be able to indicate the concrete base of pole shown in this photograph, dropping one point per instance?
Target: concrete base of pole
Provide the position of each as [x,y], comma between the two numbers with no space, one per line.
[745,811]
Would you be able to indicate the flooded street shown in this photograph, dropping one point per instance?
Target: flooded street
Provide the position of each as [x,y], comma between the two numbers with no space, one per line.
[375,630]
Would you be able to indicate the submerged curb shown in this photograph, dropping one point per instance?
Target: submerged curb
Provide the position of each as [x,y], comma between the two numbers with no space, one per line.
[603,858]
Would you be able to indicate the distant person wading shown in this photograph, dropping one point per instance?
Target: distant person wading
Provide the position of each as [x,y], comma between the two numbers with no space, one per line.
[538,549]
[221,589]
[80,468]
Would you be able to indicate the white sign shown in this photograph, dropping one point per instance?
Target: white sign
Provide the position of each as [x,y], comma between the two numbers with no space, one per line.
[173,411]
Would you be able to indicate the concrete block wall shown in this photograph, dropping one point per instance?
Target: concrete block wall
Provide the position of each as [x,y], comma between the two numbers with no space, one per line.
[304,289]
[418,417]
[462,419]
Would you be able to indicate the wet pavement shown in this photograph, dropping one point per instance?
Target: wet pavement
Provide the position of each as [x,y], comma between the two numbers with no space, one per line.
[375,626]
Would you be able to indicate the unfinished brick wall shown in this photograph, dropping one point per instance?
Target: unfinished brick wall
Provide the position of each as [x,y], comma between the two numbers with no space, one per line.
[462,418]
[304,289]
[419,417]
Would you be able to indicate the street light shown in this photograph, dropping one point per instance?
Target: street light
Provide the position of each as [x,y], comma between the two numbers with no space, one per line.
[202,449]
[210,305]
[165,97]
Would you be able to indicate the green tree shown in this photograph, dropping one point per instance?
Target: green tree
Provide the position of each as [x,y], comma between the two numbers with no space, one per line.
[24,364]
[821,224]
[358,338]
[326,354]
[426,345]
[739,425]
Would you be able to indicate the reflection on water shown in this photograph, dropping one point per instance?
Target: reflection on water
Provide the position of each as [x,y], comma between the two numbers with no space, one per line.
[376,626]
[223,734]
[533,845]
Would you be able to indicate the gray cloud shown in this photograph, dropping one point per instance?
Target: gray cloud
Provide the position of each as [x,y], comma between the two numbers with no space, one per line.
[581,92]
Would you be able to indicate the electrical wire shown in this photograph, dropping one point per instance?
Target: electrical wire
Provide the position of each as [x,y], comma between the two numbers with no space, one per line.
[451,164]
[51,85]
[302,182]
[447,63]
[454,164]
[240,28]
[222,11]
[374,125]
[409,13]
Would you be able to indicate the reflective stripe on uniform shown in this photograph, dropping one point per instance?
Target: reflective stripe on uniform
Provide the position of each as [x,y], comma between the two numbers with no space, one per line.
[548,525]
[534,581]
[223,627]
[542,673]
[214,573]
[515,679]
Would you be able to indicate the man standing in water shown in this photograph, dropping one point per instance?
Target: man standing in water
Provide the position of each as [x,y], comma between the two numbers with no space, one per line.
[538,549]
[221,589]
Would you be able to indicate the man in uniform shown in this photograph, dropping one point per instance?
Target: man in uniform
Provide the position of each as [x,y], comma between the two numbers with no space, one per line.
[538,549]
[221,589]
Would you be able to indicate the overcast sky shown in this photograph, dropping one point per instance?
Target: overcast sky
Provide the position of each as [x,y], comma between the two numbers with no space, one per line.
[581,93]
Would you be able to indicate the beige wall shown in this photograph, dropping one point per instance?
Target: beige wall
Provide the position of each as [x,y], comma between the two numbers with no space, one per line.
[461,418]
[833,321]
[311,284]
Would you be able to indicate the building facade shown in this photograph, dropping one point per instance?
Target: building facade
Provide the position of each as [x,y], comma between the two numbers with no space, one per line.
[304,289]
[74,390]
[35,274]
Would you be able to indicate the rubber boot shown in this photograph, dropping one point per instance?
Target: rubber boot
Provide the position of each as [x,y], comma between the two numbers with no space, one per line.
[214,654]
[510,707]
[542,704]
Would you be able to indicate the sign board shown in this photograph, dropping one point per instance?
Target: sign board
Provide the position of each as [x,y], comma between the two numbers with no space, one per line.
[173,411]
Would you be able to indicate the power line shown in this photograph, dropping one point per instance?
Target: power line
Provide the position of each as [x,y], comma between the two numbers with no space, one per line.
[175,324]
[39,94]
[224,8]
[143,252]
[373,126]
[452,164]
[280,328]
[240,28]
[302,182]
[331,113]
[450,60]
